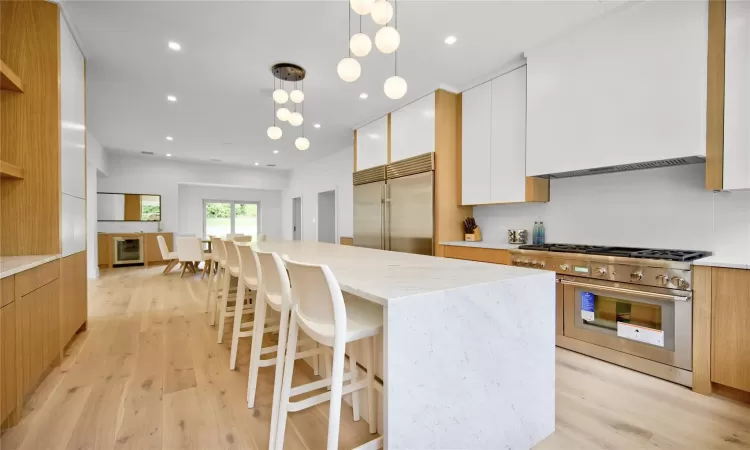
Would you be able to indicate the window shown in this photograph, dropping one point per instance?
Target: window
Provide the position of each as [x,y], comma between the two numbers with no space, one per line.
[222,217]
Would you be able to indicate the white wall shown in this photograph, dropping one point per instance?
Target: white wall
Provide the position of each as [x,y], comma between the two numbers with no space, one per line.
[665,208]
[95,164]
[190,206]
[153,175]
[334,172]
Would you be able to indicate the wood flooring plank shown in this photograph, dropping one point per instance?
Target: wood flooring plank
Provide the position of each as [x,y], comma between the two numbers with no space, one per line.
[178,363]
[54,427]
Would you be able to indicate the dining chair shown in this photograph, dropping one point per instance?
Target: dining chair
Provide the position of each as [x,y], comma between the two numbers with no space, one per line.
[231,236]
[166,255]
[190,253]
[242,238]
[318,309]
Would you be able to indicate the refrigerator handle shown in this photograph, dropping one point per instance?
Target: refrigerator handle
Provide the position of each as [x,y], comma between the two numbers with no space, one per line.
[387,217]
[382,216]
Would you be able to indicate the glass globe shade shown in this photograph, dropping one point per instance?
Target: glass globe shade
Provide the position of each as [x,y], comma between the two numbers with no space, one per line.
[395,87]
[302,143]
[362,7]
[382,12]
[360,44]
[283,114]
[274,132]
[295,119]
[387,39]
[349,69]
[280,96]
[297,96]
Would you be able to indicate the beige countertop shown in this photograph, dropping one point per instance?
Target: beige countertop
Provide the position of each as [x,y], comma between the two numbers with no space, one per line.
[483,244]
[11,265]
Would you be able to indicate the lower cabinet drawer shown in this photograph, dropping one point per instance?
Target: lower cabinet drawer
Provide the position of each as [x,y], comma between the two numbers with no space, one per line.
[489,255]
[38,326]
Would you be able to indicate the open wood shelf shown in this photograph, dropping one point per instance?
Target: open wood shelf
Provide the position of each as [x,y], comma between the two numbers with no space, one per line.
[10,171]
[9,81]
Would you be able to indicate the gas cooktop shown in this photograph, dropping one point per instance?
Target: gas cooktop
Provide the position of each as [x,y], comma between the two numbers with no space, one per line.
[628,252]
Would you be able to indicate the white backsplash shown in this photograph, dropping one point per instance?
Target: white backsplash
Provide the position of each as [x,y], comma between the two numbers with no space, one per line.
[666,208]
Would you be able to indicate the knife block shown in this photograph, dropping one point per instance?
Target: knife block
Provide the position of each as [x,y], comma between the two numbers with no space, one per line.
[476,236]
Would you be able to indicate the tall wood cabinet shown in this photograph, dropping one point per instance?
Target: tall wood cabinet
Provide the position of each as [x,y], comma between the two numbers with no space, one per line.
[43,197]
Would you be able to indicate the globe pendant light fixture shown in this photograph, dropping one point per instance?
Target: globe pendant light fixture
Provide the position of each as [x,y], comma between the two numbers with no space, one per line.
[360,44]
[302,143]
[387,39]
[286,72]
[395,86]
[382,12]
[362,7]
[349,69]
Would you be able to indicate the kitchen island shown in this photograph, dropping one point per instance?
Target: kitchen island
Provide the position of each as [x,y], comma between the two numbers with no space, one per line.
[468,347]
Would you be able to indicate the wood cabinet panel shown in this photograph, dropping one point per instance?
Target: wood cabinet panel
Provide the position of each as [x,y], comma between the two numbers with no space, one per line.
[73,300]
[730,328]
[38,334]
[104,248]
[152,252]
[37,277]
[489,255]
[8,382]
[7,290]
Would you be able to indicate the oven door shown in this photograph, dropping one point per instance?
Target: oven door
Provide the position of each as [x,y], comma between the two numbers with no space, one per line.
[648,322]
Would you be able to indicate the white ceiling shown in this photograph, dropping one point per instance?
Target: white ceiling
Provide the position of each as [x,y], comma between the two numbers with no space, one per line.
[222,76]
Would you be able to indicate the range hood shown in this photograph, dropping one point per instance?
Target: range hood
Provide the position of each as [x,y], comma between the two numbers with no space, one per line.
[627,167]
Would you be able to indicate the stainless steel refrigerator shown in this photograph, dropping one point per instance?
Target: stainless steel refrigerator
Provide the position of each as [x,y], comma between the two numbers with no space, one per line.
[393,206]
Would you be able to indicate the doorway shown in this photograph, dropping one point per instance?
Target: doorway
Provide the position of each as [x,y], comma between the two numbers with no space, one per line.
[297,218]
[327,217]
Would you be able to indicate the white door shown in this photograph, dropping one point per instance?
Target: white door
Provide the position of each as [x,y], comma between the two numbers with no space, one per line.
[327,217]
[413,129]
[508,156]
[297,218]
[475,138]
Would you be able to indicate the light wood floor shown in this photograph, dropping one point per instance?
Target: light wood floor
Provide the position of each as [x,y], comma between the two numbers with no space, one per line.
[148,374]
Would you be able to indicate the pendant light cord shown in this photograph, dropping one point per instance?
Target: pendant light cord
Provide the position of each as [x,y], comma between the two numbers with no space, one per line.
[348,38]
[395,27]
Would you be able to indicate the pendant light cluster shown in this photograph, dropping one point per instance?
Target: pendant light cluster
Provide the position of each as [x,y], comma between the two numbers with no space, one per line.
[291,73]
[387,40]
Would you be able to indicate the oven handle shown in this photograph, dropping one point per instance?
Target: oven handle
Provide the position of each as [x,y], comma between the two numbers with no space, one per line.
[676,298]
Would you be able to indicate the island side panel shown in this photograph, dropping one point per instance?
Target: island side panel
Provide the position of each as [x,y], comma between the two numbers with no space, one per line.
[473,367]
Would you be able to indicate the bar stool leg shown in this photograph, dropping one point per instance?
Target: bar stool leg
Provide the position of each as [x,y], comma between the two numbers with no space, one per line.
[215,295]
[278,376]
[226,277]
[353,368]
[210,285]
[337,386]
[259,324]
[238,310]
[286,385]
[371,406]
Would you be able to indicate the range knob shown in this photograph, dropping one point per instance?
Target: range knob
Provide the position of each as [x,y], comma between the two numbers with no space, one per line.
[601,271]
[564,267]
[679,282]
[534,263]
[542,264]
[662,279]
[636,276]
[516,262]
[526,262]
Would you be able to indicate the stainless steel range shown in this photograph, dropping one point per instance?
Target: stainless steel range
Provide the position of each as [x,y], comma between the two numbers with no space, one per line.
[628,306]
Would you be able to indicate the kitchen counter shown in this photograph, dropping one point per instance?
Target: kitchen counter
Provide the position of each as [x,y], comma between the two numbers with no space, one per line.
[728,262]
[11,265]
[483,244]
[468,347]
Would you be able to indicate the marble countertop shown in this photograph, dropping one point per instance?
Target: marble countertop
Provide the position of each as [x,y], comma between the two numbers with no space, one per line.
[11,265]
[730,262]
[382,276]
[483,244]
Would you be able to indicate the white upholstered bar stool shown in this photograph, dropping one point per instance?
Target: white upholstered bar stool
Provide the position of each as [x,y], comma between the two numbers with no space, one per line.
[166,255]
[218,258]
[318,308]
[247,280]
[231,270]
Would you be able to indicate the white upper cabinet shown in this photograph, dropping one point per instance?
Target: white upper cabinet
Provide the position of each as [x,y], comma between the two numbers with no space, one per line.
[72,114]
[413,129]
[737,97]
[476,129]
[629,87]
[372,144]
[508,148]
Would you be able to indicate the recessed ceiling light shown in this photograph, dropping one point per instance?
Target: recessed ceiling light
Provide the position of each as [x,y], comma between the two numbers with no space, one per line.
[171,98]
[275,152]
[257,163]
[363,95]
[317,125]
[174,46]
[169,154]
[450,40]
[169,138]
